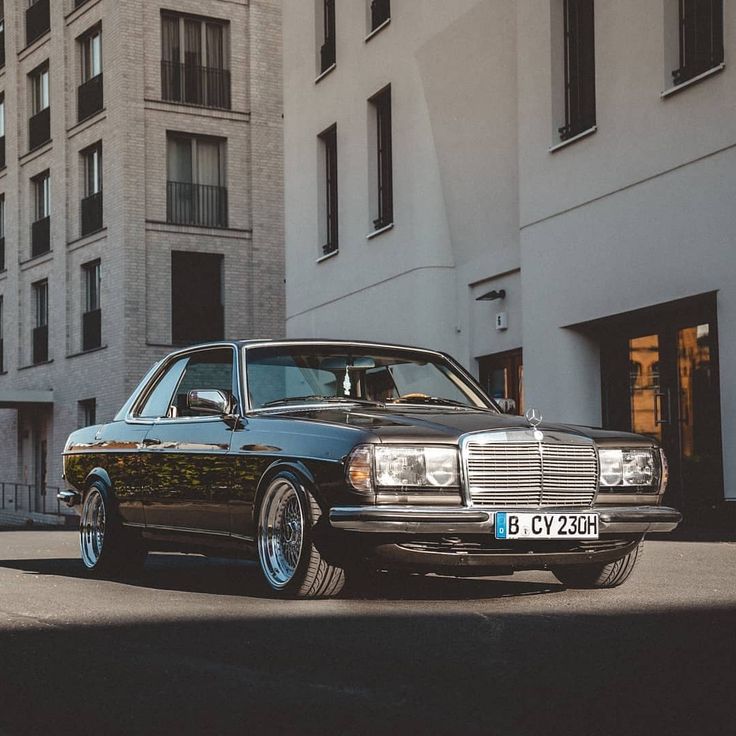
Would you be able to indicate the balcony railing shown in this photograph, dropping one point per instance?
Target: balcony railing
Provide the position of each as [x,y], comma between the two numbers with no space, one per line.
[3,265]
[92,213]
[25,497]
[2,47]
[40,344]
[2,356]
[89,98]
[39,129]
[41,237]
[195,85]
[38,21]
[2,152]
[92,330]
[196,204]
[380,12]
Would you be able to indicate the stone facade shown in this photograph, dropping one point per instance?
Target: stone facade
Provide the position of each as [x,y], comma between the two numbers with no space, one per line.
[135,244]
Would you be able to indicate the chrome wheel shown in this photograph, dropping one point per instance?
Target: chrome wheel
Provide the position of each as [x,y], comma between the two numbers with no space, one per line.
[92,528]
[280,533]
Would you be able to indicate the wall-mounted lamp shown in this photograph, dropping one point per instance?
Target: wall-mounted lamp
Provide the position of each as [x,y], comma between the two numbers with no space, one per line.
[491,296]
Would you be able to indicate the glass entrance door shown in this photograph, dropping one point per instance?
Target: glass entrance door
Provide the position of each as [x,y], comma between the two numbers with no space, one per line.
[660,378]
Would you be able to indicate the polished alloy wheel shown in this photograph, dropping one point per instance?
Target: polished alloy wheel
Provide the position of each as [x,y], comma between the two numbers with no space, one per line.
[92,528]
[280,533]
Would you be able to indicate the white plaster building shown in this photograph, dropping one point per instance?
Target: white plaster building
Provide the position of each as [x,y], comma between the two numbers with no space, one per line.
[562,169]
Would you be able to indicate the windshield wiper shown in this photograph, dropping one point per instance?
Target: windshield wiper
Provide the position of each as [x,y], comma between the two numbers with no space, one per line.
[437,401]
[327,399]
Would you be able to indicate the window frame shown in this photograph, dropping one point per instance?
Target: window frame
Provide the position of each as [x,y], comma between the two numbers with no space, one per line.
[87,53]
[40,305]
[329,195]
[41,195]
[150,385]
[579,82]
[382,108]
[688,70]
[40,79]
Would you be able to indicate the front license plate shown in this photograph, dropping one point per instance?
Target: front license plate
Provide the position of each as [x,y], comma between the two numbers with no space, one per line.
[510,525]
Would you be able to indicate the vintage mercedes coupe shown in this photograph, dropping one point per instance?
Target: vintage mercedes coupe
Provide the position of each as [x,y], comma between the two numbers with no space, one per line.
[325,460]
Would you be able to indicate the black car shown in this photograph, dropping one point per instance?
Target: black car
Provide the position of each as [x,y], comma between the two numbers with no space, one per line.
[327,459]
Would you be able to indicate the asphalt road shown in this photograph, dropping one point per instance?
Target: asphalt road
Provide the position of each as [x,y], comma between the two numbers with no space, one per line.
[195,646]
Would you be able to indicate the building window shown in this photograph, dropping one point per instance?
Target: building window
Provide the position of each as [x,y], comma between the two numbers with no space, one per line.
[700,24]
[380,11]
[196,193]
[328,190]
[2,33]
[326,20]
[2,130]
[197,313]
[90,98]
[38,19]
[40,332]
[87,412]
[91,312]
[2,340]
[3,265]
[92,199]
[39,125]
[41,227]
[578,59]
[194,67]
[383,205]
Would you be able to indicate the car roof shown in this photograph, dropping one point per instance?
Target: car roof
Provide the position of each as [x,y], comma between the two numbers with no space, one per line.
[320,341]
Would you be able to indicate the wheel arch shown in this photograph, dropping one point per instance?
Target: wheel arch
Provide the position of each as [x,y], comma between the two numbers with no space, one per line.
[297,468]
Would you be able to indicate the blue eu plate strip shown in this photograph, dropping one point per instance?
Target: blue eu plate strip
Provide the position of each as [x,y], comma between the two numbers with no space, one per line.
[501,528]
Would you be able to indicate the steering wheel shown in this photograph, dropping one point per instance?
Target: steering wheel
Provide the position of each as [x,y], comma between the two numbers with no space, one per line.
[414,395]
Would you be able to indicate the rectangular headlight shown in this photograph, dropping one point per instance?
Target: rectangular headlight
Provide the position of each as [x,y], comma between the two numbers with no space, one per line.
[416,467]
[637,468]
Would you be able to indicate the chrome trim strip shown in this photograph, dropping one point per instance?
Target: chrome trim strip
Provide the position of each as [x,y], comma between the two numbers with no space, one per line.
[423,520]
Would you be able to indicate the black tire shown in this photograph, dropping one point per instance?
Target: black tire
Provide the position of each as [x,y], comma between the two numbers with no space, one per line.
[599,576]
[291,563]
[107,548]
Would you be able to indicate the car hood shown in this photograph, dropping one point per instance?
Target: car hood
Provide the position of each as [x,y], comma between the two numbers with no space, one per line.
[440,424]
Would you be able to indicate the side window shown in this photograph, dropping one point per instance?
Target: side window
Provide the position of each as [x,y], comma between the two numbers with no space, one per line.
[159,400]
[210,369]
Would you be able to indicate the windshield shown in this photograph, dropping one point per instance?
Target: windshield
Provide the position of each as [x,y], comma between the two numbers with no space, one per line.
[295,373]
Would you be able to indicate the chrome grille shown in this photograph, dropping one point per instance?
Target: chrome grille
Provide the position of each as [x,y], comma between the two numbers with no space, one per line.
[522,474]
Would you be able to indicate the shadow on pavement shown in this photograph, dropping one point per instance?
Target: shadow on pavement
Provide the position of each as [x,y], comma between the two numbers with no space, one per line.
[305,669]
[193,574]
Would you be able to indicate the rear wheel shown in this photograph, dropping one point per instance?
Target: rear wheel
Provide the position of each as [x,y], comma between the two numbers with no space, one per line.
[290,561]
[609,575]
[107,548]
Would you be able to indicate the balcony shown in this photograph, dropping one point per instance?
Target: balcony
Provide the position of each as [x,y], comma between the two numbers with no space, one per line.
[89,98]
[38,21]
[40,338]
[92,329]
[41,237]
[195,85]
[196,204]
[380,12]
[92,214]
[2,152]
[3,265]
[39,129]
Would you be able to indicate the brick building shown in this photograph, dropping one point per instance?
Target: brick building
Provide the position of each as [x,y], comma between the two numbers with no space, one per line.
[140,205]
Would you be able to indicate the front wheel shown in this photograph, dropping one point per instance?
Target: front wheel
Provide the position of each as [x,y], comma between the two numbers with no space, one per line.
[291,563]
[597,576]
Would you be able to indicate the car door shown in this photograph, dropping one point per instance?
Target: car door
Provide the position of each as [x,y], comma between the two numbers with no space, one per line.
[186,474]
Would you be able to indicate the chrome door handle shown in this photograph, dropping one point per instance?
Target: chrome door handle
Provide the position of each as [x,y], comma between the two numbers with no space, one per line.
[148,442]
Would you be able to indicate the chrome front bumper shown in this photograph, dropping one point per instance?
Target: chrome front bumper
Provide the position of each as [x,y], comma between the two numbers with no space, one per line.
[463,520]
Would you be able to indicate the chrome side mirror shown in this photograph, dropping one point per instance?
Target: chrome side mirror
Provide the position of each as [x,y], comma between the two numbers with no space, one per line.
[507,406]
[209,401]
